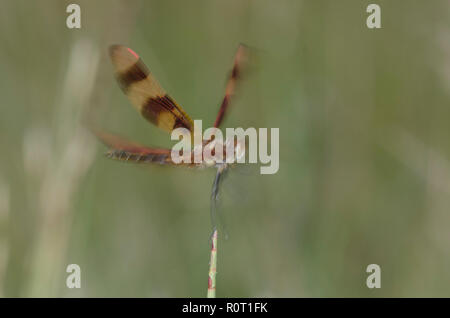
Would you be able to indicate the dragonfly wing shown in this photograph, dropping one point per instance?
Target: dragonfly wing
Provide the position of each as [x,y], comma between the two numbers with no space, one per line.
[123,149]
[145,93]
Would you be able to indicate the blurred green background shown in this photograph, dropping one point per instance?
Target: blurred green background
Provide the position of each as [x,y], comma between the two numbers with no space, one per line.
[364,150]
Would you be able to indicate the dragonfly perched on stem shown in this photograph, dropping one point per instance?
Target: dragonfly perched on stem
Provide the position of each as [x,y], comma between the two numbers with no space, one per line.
[155,105]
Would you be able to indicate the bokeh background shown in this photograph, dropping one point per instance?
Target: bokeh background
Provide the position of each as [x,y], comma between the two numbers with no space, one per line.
[364,150]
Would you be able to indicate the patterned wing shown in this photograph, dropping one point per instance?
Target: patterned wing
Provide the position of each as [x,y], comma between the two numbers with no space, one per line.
[145,93]
[240,60]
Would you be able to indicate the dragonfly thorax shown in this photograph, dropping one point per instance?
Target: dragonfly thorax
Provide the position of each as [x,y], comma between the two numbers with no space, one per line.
[217,153]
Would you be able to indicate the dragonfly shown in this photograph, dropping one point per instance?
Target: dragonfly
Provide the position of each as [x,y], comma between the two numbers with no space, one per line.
[156,106]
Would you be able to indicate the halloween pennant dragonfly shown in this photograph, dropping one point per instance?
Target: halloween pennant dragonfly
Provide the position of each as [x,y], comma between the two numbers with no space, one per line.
[155,105]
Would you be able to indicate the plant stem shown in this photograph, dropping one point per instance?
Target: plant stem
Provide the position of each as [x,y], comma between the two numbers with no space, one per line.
[212,267]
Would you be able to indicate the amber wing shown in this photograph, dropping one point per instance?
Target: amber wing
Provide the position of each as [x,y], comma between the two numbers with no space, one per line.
[145,93]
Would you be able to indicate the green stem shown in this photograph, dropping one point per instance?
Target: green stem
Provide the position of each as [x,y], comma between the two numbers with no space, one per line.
[212,267]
